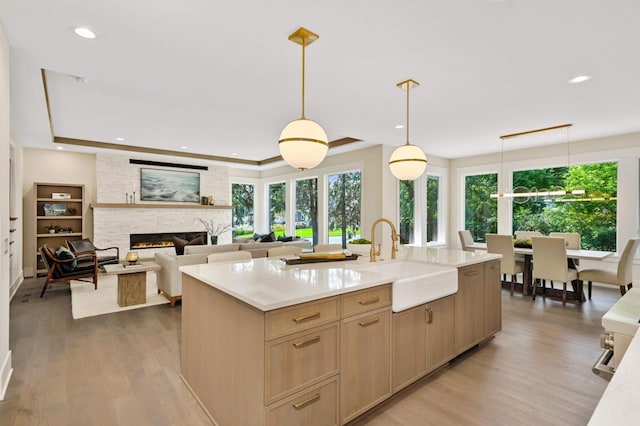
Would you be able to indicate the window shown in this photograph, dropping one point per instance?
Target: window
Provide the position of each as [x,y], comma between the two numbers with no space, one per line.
[307,209]
[343,191]
[593,215]
[242,197]
[277,208]
[433,193]
[480,210]
[407,210]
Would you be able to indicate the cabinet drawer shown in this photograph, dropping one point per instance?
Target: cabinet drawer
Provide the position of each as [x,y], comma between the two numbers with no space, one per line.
[317,405]
[366,300]
[293,362]
[300,317]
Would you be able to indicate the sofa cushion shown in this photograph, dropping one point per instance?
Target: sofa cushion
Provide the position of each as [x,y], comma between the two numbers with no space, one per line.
[207,249]
[180,244]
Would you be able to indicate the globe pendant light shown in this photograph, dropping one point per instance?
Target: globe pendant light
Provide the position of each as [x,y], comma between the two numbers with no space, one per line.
[408,162]
[303,143]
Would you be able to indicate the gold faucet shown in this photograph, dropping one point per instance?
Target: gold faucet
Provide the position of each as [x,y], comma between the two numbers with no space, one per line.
[394,237]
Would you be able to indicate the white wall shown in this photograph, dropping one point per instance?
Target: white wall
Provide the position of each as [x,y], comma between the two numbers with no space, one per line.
[5,354]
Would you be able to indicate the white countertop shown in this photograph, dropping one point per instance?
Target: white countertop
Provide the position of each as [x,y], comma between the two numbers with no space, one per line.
[268,283]
[620,403]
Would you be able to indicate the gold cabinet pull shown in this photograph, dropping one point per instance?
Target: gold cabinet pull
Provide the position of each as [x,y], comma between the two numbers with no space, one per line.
[374,299]
[298,345]
[369,322]
[470,274]
[494,267]
[302,404]
[429,315]
[306,318]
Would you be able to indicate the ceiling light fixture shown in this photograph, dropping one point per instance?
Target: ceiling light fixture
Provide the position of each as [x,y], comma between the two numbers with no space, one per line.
[120,139]
[580,79]
[553,193]
[84,32]
[408,162]
[399,126]
[303,143]
[184,147]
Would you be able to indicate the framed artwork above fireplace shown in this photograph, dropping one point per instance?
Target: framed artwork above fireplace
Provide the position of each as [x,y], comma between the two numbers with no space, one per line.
[169,185]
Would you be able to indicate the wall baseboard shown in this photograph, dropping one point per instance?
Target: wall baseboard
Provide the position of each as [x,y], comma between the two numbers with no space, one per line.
[15,285]
[5,375]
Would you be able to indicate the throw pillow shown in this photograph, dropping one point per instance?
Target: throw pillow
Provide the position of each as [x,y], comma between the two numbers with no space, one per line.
[64,253]
[179,243]
[268,238]
[285,239]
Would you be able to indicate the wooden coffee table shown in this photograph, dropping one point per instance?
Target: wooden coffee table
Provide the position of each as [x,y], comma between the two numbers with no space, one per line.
[132,281]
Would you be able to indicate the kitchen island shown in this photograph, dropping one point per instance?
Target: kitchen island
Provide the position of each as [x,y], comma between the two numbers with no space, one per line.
[268,343]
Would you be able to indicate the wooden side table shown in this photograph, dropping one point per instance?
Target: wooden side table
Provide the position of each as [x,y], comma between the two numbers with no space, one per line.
[132,281]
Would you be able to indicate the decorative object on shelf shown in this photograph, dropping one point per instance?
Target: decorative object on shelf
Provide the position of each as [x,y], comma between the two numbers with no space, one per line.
[70,212]
[169,185]
[132,258]
[51,209]
[60,195]
[210,200]
[408,162]
[51,228]
[523,194]
[303,143]
[214,230]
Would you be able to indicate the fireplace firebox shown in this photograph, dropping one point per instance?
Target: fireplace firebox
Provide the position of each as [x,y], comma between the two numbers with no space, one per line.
[160,239]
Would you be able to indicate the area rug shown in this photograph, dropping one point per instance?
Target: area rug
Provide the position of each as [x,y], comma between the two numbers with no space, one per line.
[87,302]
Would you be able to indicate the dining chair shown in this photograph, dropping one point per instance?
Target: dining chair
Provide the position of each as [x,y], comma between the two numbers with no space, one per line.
[572,241]
[466,240]
[327,247]
[622,277]
[284,251]
[229,255]
[550,263]
[503,244]
[526,235]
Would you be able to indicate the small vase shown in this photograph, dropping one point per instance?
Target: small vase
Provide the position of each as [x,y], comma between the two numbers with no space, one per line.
[213,240]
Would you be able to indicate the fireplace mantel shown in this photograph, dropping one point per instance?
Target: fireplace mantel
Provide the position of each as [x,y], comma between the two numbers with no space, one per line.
[157,206]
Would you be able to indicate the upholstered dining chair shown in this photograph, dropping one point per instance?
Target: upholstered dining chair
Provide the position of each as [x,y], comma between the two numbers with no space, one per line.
[503,244]
[229,255]
[550,263]
[326,247]
[572,241]
[527,235]
[466,240]
[62,269]
[622,277]
[284,251]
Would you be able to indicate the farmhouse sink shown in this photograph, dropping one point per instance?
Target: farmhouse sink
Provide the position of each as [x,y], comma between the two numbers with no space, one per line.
[415,283]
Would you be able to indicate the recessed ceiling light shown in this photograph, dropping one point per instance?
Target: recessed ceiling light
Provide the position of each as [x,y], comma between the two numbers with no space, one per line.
[60,147]
[580,79]
[235,154]
[399,126]
[184,147]
[120,139]
[84,32]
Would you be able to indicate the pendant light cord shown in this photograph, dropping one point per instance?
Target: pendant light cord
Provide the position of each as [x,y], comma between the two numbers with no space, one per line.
[408,88]
[304,44]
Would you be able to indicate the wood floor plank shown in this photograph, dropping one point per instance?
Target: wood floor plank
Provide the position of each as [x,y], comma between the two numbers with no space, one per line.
[124,368]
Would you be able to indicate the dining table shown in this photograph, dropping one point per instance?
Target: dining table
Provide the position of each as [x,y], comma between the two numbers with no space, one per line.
[571,254]
[527,252]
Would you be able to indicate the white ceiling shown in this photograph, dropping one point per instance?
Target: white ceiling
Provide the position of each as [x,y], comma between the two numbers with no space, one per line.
[221,77]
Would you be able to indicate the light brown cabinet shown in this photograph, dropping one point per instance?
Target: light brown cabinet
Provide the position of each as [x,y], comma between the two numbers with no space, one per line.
[365,362]
[423,340]
[477,304]
[65,214]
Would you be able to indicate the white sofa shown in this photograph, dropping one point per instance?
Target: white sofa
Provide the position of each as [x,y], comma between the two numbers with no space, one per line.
[169,277]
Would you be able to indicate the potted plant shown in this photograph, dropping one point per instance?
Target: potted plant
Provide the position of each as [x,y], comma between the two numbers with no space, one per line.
[51,228]
[214,230]
[360,246]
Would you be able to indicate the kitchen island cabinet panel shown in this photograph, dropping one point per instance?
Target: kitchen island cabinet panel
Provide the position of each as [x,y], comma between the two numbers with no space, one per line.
[492,298]
[365,362]
[440,332]
[469,307]
[316,406]
[409,346]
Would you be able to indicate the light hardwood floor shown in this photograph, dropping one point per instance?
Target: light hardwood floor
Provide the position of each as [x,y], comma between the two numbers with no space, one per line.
[123,368]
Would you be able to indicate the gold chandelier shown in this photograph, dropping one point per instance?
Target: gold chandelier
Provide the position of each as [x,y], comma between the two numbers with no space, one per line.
[303,143]
[408,162]
[556,192]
